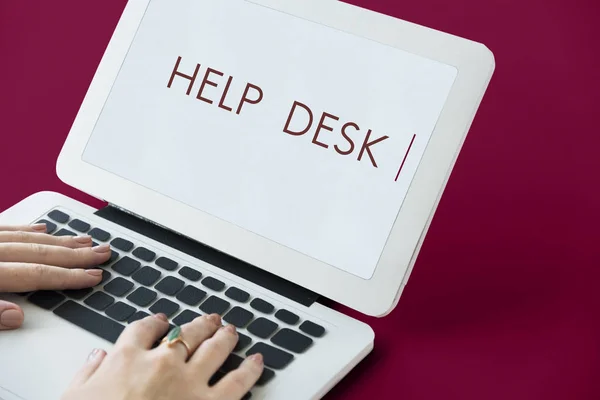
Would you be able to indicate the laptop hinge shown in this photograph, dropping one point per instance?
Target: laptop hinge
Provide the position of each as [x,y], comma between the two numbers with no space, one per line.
[208,254]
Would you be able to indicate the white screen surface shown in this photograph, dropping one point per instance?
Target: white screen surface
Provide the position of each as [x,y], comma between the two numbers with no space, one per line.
[331,193]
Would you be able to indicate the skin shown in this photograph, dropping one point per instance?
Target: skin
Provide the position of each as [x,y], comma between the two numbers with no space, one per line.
[32,260]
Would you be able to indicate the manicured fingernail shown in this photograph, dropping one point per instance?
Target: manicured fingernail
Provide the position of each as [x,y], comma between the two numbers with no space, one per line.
[230,328]
[93,354]
[94,272]
[39,227]
[257,358]
[216,318]
[161,316]
[103,248]
[11,318]
[83,239]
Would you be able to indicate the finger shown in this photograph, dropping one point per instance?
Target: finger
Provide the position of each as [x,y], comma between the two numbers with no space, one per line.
[194,333]
[11,316]
[213,352]
[238,382]
[20,277]
[54,255]
[92,363]
[145,332]
[73,242]
[24,228]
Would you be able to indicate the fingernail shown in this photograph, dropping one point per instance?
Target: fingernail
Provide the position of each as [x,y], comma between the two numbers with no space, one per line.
[257,358]
[82,239]
[94,272]
[93,354]
[161,316]
[11,318]
[216,318]
[230,328]
[103,248]
[39,227]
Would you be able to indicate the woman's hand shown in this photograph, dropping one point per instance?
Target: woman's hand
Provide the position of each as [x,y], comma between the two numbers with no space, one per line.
[136,371]
[32,260]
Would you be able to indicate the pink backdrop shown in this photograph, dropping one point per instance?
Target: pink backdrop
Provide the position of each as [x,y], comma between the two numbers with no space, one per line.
[504,300]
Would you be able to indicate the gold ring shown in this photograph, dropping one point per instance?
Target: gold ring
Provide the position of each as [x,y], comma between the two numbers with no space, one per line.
[174,336]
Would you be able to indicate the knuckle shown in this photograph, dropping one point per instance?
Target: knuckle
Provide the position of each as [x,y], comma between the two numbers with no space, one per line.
[21,236]
[39,249]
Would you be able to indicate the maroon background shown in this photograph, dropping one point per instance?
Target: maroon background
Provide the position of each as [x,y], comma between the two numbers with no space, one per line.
[504,301]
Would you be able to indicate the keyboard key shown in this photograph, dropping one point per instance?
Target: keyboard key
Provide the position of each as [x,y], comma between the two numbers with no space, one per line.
[262,306]
[287,317]
[78,294]
[122,244]
[118,286]
[105,277]
[312,329]
[137,315]
[146,276]
[166,263]
[165,306]
[243,342]
[99,234]
[47,299]
[262,327]
[65,232]
[120,311]
[113,256]
[169,286]
[144,254]
[58,216]
[99,301]
[213,284]
[237,294]
[191,295]
[142,296]
[50,226]
[214,305]
[79,225]
[217,376]
[238,317]
[190,273]
[126,266]
[291,340]
[231,363]
[89,320]
[185,317]
[273,357]
[265,377]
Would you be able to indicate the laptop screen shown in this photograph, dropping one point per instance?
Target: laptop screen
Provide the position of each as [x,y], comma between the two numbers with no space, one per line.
[295,131]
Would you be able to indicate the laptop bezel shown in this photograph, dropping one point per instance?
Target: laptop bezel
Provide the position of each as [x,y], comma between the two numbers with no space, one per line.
[376,296]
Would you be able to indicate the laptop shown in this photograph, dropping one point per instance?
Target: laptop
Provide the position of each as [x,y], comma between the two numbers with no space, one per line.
[255,157]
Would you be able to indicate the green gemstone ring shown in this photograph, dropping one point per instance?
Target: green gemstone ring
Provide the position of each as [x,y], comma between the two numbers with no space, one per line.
[174,336]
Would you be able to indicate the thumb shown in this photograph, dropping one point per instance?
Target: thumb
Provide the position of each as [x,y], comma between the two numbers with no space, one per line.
[92,363]
[11,316]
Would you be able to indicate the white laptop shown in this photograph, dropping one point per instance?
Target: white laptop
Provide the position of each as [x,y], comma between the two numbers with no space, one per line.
[259,156]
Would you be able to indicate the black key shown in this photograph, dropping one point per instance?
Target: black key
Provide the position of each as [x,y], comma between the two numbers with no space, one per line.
[237,294]
[99,234]
[185,317]
[216,378]
[118,286]
[47,299]
[262,327]
[144,254]
[58,216]
[213,284]
[169,286]
[126,266]
[146,276]
[265,377]
[231,363]
[287,317]
[50,226]
[312,329]
[136,316]
[243,342]
[214,305]
[166,263]
[89,320]
[191,295]
[99,301]
[105,277]
[78,294]
[113,256]
[247,396]
[190,273]
[262,306]
[292,340]
[164,306]
[142,296]
[272,356]
[120,311]
[238,317]
[122,244]
[65,232]
[79,225]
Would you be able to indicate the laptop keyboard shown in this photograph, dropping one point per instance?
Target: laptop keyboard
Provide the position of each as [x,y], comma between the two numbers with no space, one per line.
[138,281]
